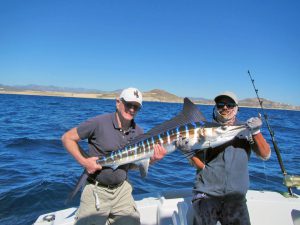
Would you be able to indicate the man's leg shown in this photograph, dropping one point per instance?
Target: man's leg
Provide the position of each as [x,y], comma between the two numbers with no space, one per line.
[124,210]
[206,211]
[94,207]
[235,213]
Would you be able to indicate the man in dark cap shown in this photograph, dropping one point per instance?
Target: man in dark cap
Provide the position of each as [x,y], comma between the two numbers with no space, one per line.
[222,178]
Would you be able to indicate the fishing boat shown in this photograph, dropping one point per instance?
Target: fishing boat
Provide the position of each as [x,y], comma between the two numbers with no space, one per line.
[174,207]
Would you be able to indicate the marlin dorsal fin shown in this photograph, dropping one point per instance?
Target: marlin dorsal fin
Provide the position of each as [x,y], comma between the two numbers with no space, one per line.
[191,111]
[189,114]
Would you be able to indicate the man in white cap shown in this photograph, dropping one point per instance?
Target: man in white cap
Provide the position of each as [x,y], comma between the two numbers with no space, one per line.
[222,178]
[107,197]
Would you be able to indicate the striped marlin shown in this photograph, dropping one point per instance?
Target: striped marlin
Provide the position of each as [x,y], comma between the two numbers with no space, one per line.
[189,124]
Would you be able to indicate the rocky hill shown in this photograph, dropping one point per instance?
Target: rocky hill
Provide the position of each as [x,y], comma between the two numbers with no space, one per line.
[253,102]
[155,95]
[158,95]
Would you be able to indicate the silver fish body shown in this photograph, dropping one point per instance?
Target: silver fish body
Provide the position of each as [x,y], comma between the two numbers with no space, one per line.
[200,135]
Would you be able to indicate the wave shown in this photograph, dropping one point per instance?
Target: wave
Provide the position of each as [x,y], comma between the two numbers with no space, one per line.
[43,196]
[25,142]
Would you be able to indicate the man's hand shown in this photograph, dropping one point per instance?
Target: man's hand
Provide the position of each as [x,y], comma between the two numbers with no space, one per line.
[159,153]
[254,124]
[183,144]
[91,165]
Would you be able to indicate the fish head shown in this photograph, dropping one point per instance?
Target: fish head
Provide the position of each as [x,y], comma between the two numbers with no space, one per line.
[230,132]
[215,135]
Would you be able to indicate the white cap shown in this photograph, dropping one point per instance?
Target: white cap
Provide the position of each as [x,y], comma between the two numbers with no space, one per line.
[132,95]
[227,94]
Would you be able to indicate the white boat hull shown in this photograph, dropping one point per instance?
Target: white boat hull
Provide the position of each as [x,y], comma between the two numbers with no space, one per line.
[174,208]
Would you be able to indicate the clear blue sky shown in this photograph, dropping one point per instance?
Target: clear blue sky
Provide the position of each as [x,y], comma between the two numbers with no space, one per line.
[189,48]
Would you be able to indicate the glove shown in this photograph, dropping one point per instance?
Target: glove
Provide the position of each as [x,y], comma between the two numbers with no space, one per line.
[254,124]
[183,145]
[245,134]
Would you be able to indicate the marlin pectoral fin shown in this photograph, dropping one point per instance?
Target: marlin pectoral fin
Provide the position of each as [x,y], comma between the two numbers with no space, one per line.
[143,167]
[115,166]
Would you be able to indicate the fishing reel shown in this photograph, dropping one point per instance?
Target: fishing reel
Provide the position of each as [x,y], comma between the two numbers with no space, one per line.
[292,181]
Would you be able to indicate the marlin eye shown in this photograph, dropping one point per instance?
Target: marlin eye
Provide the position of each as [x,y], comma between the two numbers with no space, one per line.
[224,127]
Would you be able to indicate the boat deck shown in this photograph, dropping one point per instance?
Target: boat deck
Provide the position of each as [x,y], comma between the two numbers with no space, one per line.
[174,208]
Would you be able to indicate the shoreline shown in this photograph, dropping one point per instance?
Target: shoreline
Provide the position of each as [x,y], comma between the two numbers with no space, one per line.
[112,96]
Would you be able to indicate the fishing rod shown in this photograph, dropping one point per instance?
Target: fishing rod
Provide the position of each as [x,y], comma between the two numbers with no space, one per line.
[289,181]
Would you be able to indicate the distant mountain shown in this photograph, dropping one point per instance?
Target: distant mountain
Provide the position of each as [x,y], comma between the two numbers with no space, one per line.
[156,95]
[253,102]
[33,87]
[203,101]
[161,96]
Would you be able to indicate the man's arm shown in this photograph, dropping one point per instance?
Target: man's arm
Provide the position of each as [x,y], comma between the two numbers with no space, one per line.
[195,161]
[261,147]
[70,141]
[185,147]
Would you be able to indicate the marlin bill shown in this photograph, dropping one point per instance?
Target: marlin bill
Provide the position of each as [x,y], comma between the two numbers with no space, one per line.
[189,124]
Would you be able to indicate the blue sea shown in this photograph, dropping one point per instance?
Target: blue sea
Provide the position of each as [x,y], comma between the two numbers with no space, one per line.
[37,173]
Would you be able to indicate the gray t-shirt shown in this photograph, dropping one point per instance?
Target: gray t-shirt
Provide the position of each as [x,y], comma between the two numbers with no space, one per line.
[104,136]
[226,170]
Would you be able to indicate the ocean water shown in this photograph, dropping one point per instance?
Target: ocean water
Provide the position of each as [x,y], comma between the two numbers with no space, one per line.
[37,173]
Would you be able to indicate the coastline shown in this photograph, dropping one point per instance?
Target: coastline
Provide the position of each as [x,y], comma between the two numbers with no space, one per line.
[148,97]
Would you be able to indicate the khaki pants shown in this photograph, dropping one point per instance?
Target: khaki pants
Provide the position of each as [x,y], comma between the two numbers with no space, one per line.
[104,206]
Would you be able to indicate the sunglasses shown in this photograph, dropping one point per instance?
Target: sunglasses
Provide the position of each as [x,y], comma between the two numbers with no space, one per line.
[130,105]
[229,105]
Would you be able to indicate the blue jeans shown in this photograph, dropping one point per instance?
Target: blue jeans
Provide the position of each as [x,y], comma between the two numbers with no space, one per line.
[210,210]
